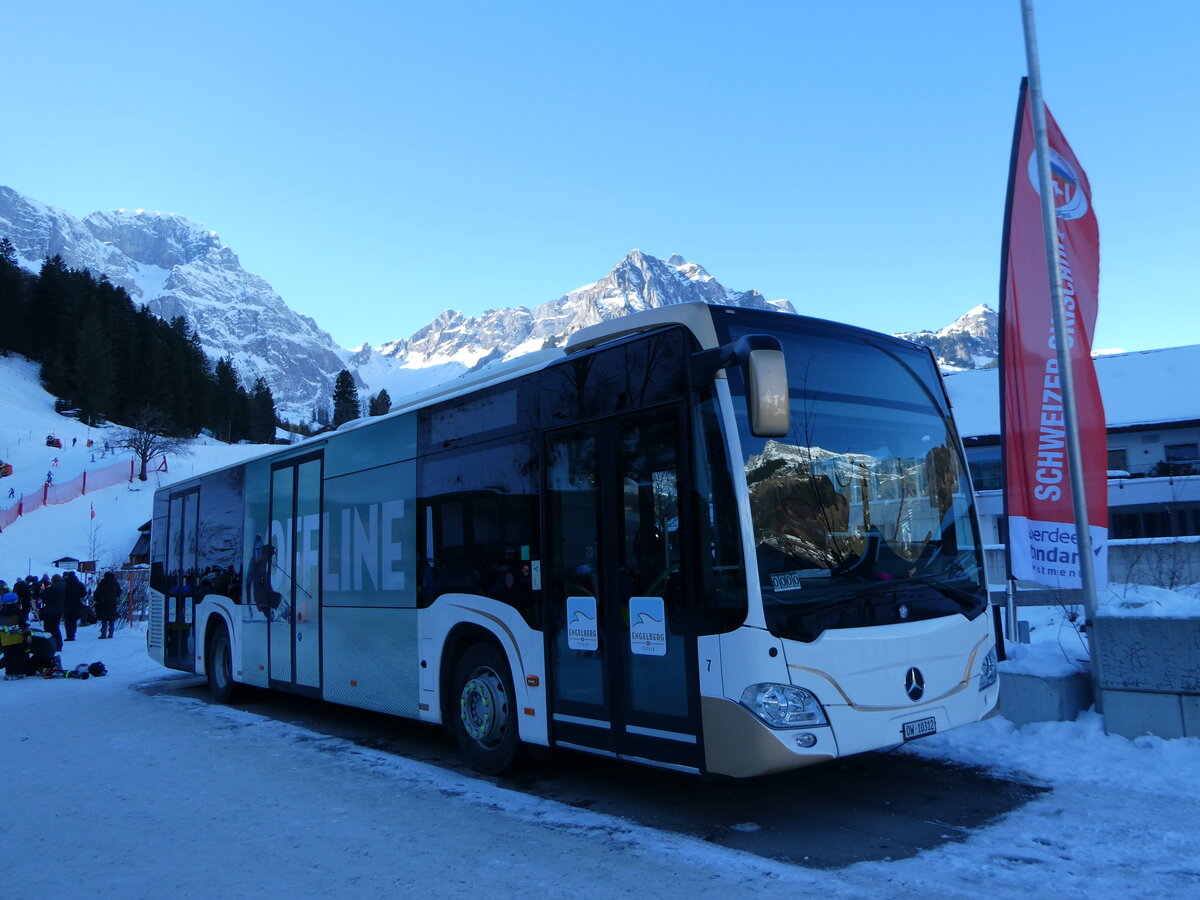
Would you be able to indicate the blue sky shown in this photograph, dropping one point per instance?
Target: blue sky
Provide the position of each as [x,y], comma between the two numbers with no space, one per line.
[379,162]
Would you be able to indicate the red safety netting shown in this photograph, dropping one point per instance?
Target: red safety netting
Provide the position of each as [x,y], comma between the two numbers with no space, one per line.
[66,491]
[118,473]
[87,481]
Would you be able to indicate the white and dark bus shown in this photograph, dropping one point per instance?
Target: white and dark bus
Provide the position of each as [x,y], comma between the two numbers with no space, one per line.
[716,540]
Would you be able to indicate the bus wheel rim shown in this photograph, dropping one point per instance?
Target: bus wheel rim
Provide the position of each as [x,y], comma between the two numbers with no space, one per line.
[483,707]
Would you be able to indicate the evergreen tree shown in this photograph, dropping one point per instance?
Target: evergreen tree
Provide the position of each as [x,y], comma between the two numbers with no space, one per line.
[12,300]
[262,413]
[199,377]
[345,399]
[380,404]
[50,298]
[226,403]
[93,370]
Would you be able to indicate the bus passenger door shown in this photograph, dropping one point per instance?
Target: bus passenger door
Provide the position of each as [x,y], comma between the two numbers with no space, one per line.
[622,657]
[294,633]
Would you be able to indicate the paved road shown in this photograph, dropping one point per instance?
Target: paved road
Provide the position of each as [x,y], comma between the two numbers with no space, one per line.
[869,807]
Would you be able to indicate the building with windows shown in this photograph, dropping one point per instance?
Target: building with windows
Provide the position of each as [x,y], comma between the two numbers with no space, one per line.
[1152,406]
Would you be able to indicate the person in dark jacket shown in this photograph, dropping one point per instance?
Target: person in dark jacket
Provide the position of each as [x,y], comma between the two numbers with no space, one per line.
[54,607]
[75,592]
[25,596]
[105,596]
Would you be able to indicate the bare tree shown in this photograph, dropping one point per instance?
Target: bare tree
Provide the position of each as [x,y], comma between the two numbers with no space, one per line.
[146,437]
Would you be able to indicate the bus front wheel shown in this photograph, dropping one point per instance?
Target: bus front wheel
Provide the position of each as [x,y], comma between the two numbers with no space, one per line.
[485,720]
[218,665]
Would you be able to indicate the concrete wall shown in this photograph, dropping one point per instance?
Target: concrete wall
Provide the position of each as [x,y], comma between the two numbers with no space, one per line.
[1149,672]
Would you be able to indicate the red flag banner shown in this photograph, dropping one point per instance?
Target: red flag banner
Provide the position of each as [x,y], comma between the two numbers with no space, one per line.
[1042,537]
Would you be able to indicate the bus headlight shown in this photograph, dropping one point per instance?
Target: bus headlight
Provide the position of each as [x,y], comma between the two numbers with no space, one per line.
[988,672]
[784,706]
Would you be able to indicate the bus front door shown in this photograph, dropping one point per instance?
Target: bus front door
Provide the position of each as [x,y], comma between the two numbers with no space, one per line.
[622,664]
[294,631]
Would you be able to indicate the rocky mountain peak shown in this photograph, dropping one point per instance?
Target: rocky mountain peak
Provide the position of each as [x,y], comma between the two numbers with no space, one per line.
[982,321]
[969,342]
[153,238]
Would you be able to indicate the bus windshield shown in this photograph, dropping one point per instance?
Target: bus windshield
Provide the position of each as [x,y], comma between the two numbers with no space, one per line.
[862,515]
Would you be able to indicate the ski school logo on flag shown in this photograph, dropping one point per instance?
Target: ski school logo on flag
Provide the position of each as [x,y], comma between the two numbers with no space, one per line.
[1070,200]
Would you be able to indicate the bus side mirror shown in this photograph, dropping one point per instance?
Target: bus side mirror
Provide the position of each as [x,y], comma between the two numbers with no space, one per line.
[764,369]
[767,393]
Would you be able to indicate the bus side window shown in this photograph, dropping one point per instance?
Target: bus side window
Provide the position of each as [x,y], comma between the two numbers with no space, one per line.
[479,523]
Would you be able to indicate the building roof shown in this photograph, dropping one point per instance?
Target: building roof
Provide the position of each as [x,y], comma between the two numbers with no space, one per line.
[1148,387]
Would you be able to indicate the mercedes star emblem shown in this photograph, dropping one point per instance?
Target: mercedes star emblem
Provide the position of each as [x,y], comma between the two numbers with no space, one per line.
[914,684]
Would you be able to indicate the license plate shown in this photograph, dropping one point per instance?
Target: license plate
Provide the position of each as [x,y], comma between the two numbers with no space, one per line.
[920,728]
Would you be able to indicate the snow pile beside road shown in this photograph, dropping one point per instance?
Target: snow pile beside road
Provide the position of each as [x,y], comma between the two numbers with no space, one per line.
[1150,602]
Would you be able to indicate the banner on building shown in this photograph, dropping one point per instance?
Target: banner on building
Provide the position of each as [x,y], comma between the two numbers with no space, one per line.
[1042,537]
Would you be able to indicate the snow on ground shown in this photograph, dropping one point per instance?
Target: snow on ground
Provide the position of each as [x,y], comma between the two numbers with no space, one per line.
[150,793]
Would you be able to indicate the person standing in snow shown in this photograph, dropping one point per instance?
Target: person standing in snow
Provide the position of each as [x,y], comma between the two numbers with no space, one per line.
[106,595]
[75,592]
[54,607]
[25,595]
[35,595]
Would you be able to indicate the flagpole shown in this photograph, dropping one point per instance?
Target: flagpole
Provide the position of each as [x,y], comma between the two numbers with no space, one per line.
[1010,583]
[1087,575]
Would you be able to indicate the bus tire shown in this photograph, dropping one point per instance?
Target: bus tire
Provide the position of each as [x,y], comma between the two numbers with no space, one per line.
[218,664]
[484,710]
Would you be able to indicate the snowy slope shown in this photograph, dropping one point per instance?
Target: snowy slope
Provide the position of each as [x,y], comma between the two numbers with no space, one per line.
[31,544]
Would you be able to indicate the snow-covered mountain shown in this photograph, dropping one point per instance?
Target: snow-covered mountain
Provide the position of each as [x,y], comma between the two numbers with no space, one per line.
[970,342]
[638,282]
[176,267]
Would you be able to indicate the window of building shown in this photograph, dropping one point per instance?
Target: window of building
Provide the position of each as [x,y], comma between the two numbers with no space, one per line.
[1182,453]
[1118,460]
[987,473]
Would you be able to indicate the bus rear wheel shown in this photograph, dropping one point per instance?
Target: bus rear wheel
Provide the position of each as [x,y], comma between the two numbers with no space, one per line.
[485,720]
[218,665]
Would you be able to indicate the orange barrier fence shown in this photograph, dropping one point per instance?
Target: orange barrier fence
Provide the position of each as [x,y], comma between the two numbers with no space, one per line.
[52,494]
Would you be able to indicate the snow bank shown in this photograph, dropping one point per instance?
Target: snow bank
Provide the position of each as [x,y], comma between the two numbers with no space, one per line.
[1149,602]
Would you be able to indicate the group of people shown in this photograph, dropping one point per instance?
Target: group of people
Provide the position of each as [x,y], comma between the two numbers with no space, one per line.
[31,651]
[57,603]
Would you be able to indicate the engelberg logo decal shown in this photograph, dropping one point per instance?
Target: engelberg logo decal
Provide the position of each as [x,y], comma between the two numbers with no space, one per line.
[1070,202]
